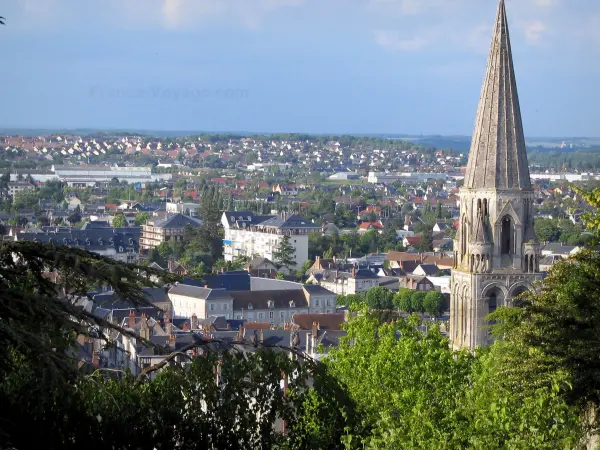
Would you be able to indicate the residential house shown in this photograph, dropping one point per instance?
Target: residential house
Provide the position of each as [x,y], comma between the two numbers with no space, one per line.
[247,234]
[163,229]
[274,306]
[416,282]
[14,187]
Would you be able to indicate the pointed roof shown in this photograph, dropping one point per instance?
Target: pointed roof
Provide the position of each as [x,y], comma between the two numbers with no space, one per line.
[498,157]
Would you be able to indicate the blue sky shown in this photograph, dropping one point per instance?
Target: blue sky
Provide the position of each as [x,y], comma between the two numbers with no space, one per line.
[339,66]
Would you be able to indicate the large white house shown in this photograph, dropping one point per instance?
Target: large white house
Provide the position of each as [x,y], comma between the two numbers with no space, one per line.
[273,306]
[247,234]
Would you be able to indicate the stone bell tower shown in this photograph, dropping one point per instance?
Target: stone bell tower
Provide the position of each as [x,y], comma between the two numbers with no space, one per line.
[496,251]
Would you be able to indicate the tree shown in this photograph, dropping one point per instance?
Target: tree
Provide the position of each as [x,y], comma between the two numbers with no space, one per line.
[416,301]
[379,297]
[2,21]
[280,276]
[141,218]
[284,255]
[402,300]
[427,396]
[119,221]
[433,303]
[39,380]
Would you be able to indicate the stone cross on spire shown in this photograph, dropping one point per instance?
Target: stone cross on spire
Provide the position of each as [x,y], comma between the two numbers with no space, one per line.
[498,157]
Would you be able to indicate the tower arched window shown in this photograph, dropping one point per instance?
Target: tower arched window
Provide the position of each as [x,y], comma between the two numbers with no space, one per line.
[506,236]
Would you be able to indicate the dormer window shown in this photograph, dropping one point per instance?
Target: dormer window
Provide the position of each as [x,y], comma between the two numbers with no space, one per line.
[100,241]
[271,304]
[240,218]
[292,304]
[232,218]
[250,306]
[249,218]
[88,242]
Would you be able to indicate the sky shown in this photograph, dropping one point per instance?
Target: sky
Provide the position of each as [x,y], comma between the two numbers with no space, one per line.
[311,66]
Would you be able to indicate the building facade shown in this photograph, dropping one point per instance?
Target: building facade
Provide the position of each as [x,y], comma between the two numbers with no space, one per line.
[496,253]
[247,234]
[163,229]
[275,307]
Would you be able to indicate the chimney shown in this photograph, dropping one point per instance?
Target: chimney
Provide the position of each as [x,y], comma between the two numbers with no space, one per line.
[131,323]
[261,336]
[421,255]
[206,286]
[96,358]
[241,333]
[144,330]
[317,259]
[194,322]
[228,326]
[334,259]
[315,328]
[412,283]
[354,271]
[222,269]
[172,342]
[168,325]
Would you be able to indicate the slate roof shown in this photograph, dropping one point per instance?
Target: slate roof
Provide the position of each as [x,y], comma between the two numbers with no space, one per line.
[260,299]
[498,156]
[293,221]
[87,239]
[326,321]
[237,218]
[315,289]
[200,292]
[429,269]
[176,221]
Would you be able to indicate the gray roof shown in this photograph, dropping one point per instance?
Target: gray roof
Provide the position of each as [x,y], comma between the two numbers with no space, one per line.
[315,289]
[498,157]
[92,239]
[244,217]
[176,221]
[200,292]
[260,299]
[293,221]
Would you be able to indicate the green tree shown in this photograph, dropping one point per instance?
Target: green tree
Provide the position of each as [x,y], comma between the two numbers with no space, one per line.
[119,221]
[433,303]
[402,300]
[416,301]
[284,255]
[280,276]
[141,218]
[379,297]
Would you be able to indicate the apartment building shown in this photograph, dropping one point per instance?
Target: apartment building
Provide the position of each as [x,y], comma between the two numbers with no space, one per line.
[247,234]
[163,229]
[276,307]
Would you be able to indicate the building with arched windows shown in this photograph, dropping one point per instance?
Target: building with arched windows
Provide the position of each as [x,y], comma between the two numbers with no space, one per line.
[496,251]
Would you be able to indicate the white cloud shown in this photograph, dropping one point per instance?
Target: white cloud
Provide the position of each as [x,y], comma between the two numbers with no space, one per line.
[392,40]
[545,3]
[534,30]
[250,14]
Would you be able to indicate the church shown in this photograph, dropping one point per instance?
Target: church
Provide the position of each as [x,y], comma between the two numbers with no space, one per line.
[496,251]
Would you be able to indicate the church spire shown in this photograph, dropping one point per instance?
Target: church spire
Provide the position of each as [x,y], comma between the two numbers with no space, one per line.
[498,157]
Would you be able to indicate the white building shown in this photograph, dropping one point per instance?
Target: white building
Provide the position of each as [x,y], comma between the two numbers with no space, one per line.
[84,176]
[188,209]
[14,187]
[384,177]
[276,307]
[247,234]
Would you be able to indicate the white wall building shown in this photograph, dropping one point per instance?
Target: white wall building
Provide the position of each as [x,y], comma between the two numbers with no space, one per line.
[275,307]
[247,234]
